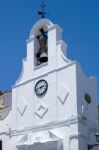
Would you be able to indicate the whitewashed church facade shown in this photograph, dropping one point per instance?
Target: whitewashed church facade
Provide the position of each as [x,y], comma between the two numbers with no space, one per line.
[52,105]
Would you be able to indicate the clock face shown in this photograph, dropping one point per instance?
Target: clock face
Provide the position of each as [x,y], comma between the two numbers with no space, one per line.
[87,98]
[41,87]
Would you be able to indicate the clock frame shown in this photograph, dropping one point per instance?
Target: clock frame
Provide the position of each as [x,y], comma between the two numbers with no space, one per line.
[41,87]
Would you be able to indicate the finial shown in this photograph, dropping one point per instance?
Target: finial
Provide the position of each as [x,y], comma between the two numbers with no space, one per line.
[42,13]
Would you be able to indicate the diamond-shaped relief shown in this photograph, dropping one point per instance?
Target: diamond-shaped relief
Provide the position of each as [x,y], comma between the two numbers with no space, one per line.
[41,110]
[63,94]
[22,105]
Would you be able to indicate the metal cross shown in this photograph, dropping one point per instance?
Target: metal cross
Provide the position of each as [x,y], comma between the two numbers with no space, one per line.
[42,13]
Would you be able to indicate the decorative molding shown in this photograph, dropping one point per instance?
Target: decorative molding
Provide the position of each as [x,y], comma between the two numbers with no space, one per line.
[46,73]
[22,72]
[48,126]
[86,122]
[69,121]
[64,47]
[22,105]
[7,132]
[63,94]
[41,110]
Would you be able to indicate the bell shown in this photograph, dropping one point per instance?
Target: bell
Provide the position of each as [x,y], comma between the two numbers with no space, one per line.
[43,56]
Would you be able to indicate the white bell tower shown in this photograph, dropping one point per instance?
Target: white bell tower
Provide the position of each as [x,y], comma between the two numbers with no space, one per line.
[53,100]
[43,77]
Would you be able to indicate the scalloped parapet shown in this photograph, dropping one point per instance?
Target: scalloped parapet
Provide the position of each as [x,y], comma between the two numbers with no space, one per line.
[57,52]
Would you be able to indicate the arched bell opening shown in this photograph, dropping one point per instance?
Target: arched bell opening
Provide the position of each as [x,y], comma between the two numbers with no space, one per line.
[41,46]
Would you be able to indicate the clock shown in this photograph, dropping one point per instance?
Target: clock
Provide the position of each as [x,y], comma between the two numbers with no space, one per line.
[41,87]
[87,98]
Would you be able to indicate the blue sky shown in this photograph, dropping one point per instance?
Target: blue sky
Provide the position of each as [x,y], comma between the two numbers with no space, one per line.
[78,18]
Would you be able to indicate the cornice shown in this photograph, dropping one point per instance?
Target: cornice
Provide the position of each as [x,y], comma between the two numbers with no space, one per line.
[46,73]
[48,126]
[89,124]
